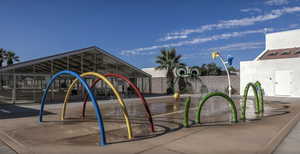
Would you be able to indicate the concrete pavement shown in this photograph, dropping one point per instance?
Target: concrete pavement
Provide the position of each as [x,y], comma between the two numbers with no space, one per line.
[25,135]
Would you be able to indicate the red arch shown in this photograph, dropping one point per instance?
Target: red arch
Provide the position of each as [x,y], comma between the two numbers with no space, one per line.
[137,91]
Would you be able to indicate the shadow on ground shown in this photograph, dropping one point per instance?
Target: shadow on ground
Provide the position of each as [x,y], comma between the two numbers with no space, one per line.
[9,111]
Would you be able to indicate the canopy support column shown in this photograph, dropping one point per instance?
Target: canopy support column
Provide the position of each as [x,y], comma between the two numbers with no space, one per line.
[68,62]
[150,86]
[34,84]
[81,71]
[52,87]
[14,87]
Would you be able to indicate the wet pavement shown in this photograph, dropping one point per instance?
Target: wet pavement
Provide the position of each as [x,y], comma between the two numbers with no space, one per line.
[167,114]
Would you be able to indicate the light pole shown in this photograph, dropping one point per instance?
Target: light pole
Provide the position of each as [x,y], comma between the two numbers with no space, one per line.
[216,54]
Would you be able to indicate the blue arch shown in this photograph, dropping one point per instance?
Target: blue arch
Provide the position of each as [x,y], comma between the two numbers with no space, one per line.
[102,137]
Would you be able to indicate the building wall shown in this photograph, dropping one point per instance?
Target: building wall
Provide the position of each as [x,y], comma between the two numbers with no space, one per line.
[281,40]
[204,85]
[264,71]
[155,73]
[159,85]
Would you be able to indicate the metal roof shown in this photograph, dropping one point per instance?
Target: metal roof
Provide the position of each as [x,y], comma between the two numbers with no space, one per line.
[93,59]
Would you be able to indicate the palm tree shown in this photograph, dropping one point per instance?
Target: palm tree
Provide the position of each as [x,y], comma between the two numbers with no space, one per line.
[11,57]
[2,56]
[168,60]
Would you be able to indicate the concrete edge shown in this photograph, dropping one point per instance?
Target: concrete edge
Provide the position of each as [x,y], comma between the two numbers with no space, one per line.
[271,146]
[13,144]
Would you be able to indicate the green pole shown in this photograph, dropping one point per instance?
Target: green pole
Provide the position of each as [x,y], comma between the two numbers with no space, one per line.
[187,105]
[261,96]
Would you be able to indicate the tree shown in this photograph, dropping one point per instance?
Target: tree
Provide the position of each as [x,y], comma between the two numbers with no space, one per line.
[213,69]
[11,57]
[203,70]
[168,60]
[231,70]
[2,56]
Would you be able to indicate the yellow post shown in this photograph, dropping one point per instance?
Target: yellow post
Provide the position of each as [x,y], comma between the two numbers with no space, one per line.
[176,96]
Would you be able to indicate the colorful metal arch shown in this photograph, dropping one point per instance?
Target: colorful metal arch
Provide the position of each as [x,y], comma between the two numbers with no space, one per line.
[102,136]
[245,97]
[123,107]
[260,95]
[229,100]
[137,91]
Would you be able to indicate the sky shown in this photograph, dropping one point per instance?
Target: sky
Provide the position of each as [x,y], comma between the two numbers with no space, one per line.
[136,30]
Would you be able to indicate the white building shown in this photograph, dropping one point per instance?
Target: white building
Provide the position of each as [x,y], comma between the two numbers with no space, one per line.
[155,73]
[277,67]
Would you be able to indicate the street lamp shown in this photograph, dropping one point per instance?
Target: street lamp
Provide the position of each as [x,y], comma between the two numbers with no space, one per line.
[215,55]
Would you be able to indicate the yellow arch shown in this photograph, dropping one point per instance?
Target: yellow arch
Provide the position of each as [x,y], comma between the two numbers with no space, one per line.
[123,107]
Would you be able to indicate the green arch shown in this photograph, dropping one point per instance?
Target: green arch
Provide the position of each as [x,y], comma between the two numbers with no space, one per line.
[187,104]
[260,95]
[245,97]
[229,100]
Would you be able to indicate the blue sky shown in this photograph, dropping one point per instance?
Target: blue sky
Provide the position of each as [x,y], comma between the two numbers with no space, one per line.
[136,30]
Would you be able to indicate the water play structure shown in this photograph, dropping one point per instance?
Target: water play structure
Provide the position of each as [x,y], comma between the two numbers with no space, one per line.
[259,104]
[229,61]
[234,117]
[187,104]
[102,137]
[119,98]
[185,72]
[259,101]
[260,95]
[103,77]
[181,72]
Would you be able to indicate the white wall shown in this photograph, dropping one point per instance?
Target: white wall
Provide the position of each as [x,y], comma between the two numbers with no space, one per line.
[264,71]
[282,40]
[155,73]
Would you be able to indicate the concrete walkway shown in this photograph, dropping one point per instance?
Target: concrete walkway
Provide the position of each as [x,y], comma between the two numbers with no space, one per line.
[291,144]
[252,136]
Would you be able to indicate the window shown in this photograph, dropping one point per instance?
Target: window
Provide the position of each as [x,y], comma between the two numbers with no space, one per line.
[287,52]
[297,52]
[272,54]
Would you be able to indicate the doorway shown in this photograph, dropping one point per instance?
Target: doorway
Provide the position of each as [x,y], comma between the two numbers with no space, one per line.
[283,82]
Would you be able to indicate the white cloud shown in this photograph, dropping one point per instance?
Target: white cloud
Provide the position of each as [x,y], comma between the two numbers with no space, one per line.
[289,27]
[173,37]
[198,55]
[239,46]
[194,41]
[276,2]
[225,24]
[230,47]
[251,10]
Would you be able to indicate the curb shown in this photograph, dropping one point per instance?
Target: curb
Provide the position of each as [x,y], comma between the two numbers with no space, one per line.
[271,146]
[13,144]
